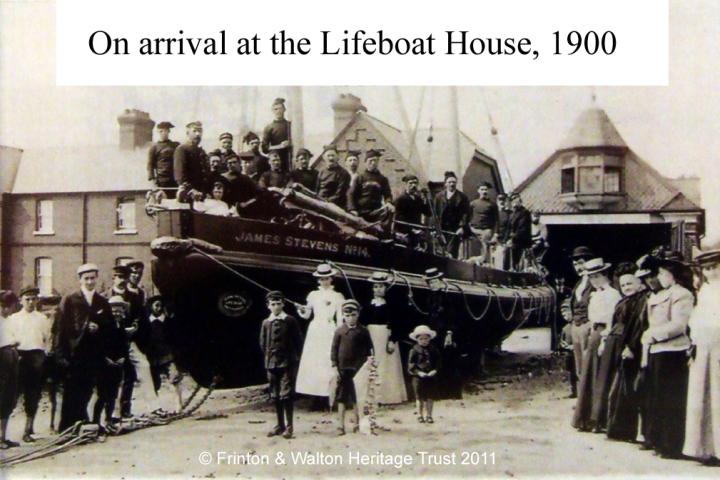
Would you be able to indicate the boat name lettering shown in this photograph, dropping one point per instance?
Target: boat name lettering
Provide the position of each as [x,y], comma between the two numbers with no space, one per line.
[303,243]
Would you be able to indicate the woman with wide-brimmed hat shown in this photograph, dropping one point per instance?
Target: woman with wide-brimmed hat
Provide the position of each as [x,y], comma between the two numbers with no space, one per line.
[702,425]
[383,322]
[324,306]
[665,346]
[601,308]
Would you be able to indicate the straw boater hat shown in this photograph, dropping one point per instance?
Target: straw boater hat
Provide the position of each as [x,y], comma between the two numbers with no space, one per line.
[87,267]
[380,277]
[596,265]
[709,258]
[422,330]
[324,270]
[432,274]
[119,301]
[350,305]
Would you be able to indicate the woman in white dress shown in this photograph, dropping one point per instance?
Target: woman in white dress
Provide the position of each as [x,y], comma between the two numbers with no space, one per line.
[385,333]
[324,305]
[702,423]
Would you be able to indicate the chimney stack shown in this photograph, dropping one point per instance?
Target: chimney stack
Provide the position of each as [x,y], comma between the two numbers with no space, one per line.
[345,107]
[135,129]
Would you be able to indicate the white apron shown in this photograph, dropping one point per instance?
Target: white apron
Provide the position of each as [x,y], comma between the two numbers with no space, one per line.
[316,371]
[390,373]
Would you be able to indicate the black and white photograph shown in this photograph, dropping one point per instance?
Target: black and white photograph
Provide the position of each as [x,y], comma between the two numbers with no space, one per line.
[359,281]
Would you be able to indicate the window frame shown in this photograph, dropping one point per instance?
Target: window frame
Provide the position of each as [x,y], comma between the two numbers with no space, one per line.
[39,282]
[42,219]
[120,227]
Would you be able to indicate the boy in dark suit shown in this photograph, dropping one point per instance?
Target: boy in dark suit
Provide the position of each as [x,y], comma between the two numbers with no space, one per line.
[351,348]
[281,342]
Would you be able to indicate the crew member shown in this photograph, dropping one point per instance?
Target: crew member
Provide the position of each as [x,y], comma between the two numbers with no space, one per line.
[452,207]
[33,330]
[259,161]
[520,237]
[410,207]
[276,136]
[241,189]
[276,177]
[483,220]
[352,164]
[500,255]
[82,316]
[370,190]
[160,160]
[190,165]
[304,174]
[225,150]
[334,180]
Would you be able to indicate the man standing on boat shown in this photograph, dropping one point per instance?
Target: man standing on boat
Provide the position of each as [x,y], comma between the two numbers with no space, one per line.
[502,230]
[160,160]
[410,207]
[225,150]
[334,180]
[371,189]
[276,136]
[276,177]
[452,208]
[352,163]
[259,162]
[520,236]
[483,220]
[241,189]
[191,165]
[304,174]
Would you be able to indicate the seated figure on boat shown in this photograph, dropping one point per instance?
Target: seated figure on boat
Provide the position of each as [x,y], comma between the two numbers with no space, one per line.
[216,204]
[369,195]
[334,180]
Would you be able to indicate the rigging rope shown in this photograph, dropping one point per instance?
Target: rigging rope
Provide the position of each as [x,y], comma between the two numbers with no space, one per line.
[411,299]
[347,281]
[467,304]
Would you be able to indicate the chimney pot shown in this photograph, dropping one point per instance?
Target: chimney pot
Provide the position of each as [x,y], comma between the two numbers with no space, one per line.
[135,129]
[345,106]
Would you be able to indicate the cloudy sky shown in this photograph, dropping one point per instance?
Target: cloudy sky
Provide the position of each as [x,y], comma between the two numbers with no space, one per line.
[674,128]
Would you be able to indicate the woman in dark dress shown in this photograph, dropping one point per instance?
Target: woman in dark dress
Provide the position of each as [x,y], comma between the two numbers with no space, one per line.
[442,319]
[616,358]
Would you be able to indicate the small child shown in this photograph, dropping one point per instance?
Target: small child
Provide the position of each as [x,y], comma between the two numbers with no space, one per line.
[566,347]
[424,362]
[216,205]
[351,347]
[115,351]
[281,342]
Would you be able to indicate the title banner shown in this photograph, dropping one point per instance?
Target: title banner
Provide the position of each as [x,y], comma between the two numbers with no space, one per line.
[368,42]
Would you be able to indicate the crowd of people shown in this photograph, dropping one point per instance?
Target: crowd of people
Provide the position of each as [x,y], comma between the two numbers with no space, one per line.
[499,232]
[343,337]
[644,351]
[91,343]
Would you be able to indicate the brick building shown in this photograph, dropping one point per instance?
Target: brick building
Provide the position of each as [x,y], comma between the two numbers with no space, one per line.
[67,206]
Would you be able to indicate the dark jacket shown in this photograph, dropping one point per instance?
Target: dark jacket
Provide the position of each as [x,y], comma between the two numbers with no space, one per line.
[160,163]
[520,228]
[424,359]
[483,214]
[579,308]
[503,225]
[115,345]
[368,191]
[307,178]
[191,167]
[281,342]
[273,179]
[410,209]
[240,188]
[75,343]
[350,347]
[333,184]
[452,213]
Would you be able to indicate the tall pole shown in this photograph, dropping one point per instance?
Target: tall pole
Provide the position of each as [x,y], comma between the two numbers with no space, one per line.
[295,97]
[409,132]
[454,152]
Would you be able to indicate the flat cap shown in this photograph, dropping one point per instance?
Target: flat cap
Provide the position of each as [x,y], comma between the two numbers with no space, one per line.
[409,178]
[165,125]
[121,270]
[274,295]
[225,135]
[372,153]
[195,124]
[29,290]
[353,153]
[87,267]
[350,305]
[450,174]
[135,264]
[304,152]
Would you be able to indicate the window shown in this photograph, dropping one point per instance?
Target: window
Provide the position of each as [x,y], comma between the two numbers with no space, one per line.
[43,275]
[44,217]
[590,179]
[567,180]
[126,215]
[123,260]
[612,180]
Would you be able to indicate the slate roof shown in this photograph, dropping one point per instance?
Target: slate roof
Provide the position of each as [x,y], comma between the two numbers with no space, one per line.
[592,128]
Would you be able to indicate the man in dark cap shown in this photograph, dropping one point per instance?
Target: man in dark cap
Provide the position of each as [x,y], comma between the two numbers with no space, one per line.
[260,162]
[352,163]
[520,234]
[8,367]
[452,208]
[82,318]
[276,135]
[241,188]
[131,325]
[370,190]
[579,301]
[410,207]
[303,174]
[225,150]
[191,165]
[160,160]
[276,177]
[334,180]
[483,220]
[281,342]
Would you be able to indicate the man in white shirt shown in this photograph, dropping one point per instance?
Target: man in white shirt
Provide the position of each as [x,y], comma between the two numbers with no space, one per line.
[32,330]
[8,367]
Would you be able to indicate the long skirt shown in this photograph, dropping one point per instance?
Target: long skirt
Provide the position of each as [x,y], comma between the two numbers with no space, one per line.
[588,375]
[702,426]
[624,403]
[666,401]
[390,372]
[609,361]
[316,371]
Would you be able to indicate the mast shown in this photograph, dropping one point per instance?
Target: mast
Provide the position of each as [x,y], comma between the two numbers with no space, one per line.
[454,152]
[502,161]
[409,132]
[295,114]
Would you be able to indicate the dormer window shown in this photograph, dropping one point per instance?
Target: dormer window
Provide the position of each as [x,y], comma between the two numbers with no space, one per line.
[590,180]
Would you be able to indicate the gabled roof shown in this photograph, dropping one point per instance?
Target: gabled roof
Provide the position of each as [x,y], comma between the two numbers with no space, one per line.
[82,169]
[592,128]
